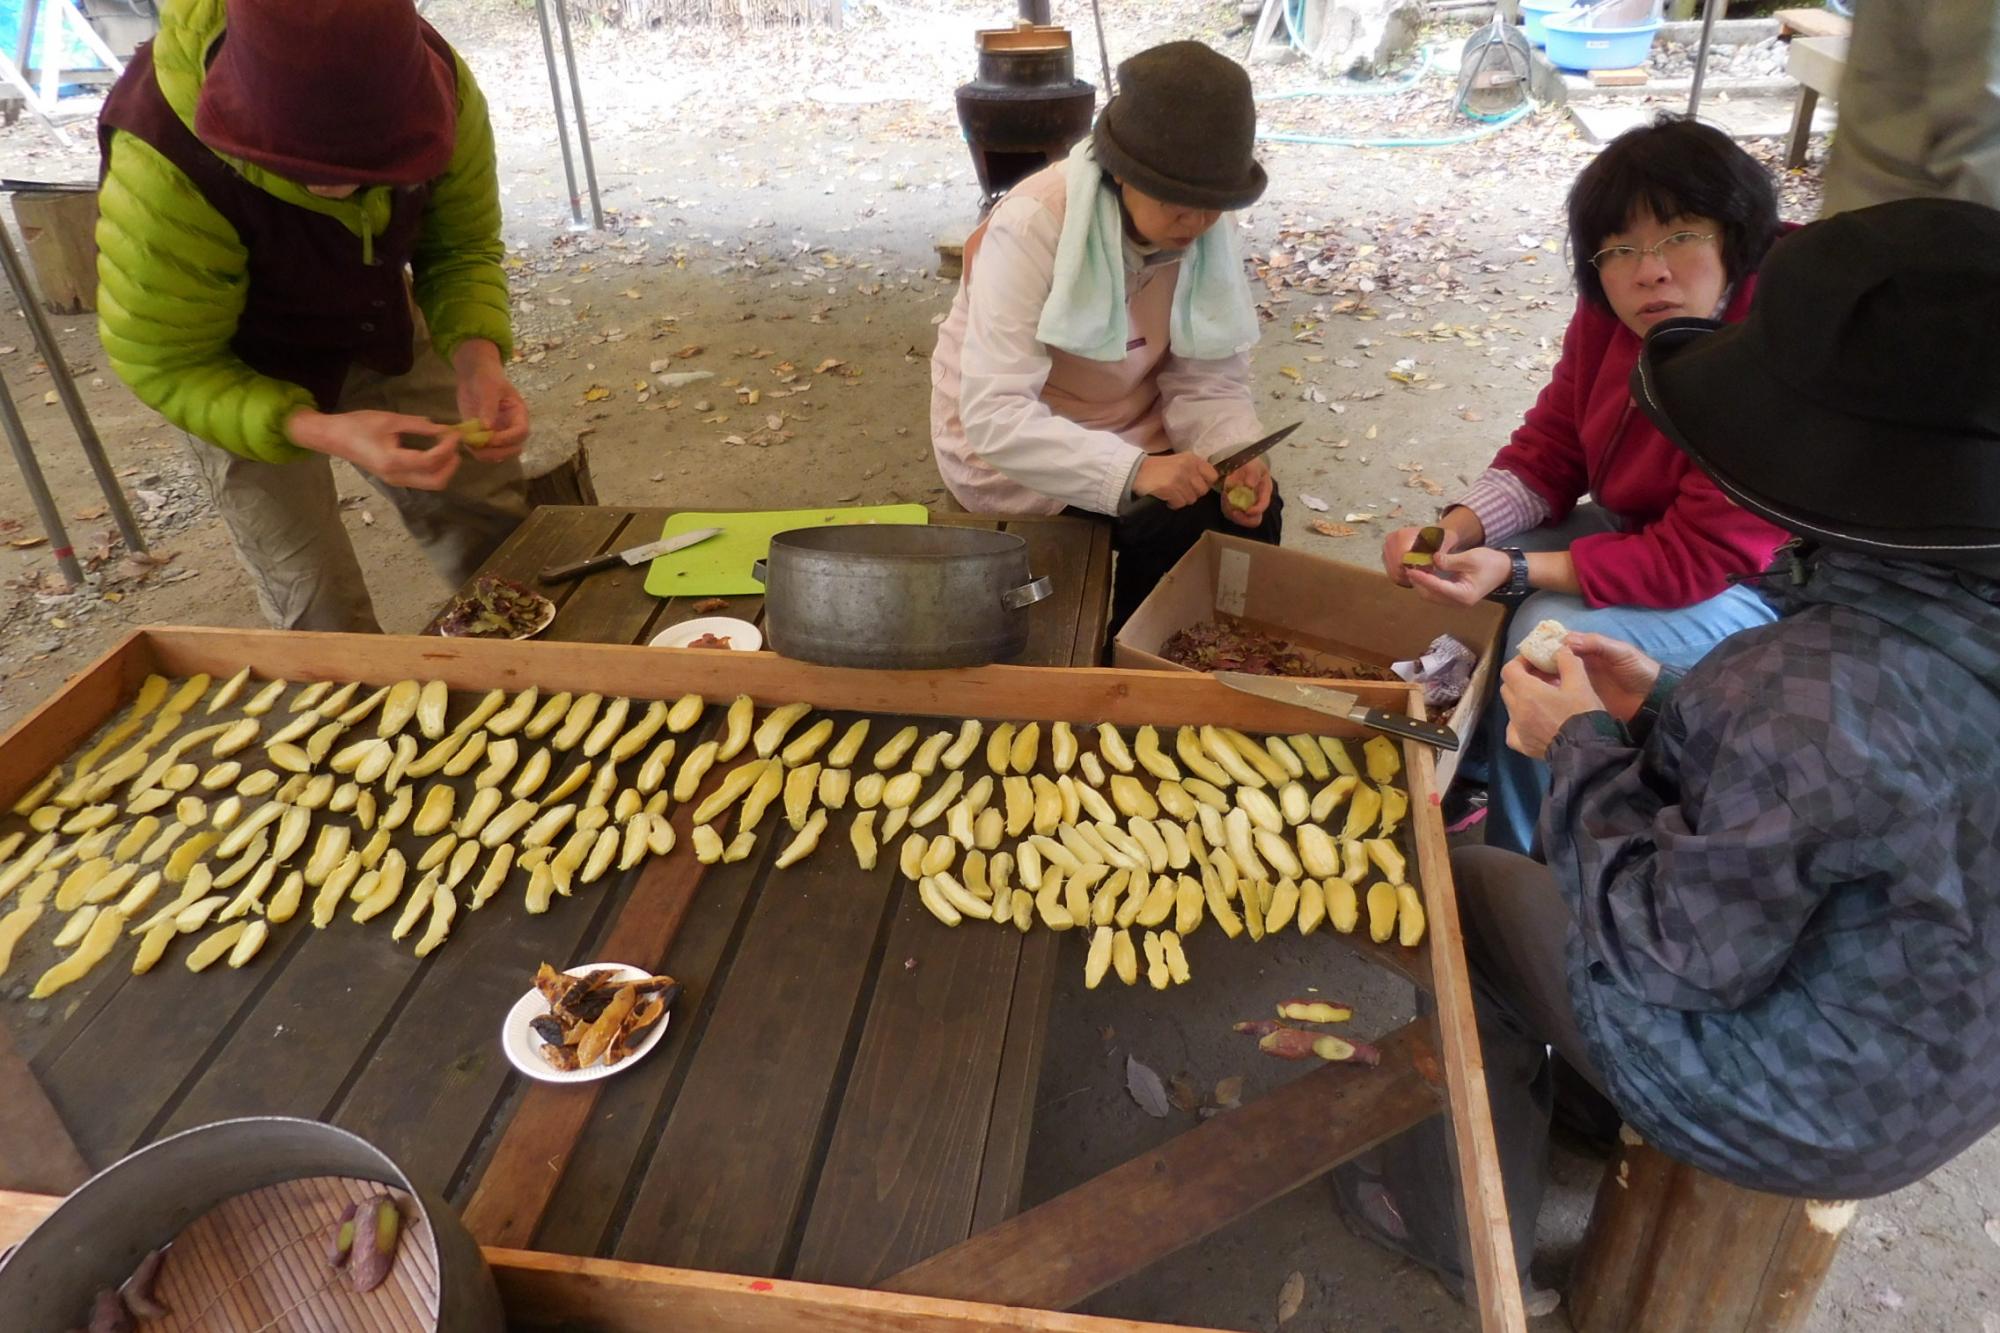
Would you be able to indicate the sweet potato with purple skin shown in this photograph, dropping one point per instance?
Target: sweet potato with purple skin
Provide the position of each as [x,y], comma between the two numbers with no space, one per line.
[108,1314]
[1314,1011]
[377,1227]
[137,1293]
[1287,1043]
[1258,1027]
[342,1243]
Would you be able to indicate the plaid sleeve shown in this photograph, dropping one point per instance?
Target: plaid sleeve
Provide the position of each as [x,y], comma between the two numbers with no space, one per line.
[1504,504]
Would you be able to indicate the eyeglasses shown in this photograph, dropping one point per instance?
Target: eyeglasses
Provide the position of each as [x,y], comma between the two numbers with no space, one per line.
[1674,249]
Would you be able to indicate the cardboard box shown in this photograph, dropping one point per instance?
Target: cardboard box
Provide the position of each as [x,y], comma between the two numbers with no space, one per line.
[1339,615]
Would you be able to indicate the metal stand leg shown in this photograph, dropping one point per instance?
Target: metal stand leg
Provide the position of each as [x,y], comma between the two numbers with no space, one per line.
[562,126]
[582,129]
[38,488]
[1710,12]
[79,418]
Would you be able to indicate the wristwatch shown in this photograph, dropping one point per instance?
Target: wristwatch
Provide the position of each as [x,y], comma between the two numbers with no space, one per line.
[1516,587]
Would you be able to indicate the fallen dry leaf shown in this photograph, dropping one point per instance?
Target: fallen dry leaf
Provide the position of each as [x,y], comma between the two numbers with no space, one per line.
[1328,528]
[1291,1296]
[692,349]
[1181,1092]
[1229,1092]
[1146,1088]
[831,363]
[23,543]
[1289,372]
[596,393]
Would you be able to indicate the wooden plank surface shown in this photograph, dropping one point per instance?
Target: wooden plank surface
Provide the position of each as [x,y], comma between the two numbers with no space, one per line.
[902,1171]
[36,1149]
[1080,1242]
[765,1077]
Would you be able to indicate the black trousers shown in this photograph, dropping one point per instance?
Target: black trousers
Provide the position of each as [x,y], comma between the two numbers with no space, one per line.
[1515,924]
[1151,539]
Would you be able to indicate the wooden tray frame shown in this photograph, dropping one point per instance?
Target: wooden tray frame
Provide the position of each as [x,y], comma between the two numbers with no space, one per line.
[1450,1064]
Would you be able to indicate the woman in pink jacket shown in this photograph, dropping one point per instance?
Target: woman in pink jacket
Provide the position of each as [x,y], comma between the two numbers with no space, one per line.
[1590,516]
[1097,355]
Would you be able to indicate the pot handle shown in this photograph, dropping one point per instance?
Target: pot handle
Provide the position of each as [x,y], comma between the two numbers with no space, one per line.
[1027,594]
[760,570]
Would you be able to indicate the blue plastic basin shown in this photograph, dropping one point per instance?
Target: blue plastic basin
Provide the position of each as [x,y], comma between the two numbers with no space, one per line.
[1578,48]
[1533,14]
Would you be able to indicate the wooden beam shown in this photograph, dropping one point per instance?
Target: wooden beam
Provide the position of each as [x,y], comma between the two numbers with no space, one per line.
[1080,1242]
[514,1192]
[1489,1237]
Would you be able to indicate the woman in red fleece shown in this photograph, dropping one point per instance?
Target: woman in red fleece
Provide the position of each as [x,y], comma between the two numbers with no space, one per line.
[1590,516]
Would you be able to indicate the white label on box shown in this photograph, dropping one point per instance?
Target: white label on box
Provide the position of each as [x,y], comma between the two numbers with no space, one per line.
[1232,582]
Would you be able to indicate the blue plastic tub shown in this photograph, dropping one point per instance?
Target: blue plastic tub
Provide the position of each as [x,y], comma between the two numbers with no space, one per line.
[1534,12]
[1573,47]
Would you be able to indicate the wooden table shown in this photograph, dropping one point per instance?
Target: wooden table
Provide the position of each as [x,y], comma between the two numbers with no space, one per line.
[1817,63]
[814,1110]
[846,1091]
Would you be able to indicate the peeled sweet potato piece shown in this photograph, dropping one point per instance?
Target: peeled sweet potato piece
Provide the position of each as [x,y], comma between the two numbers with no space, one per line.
[1314,1011]
[1337,1050]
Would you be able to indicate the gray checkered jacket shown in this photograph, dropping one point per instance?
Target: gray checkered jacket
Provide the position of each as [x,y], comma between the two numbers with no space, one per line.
[1787,889]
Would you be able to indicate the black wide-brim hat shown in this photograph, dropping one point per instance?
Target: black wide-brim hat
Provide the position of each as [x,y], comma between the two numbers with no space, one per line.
[1183,129]
[1858,404]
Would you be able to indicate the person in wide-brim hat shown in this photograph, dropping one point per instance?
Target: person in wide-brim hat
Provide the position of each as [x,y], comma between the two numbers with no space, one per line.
[300,260]
[1096,357]
[1763,922]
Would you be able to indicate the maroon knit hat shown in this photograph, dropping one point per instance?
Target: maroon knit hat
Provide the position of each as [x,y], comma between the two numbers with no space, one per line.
[332,92]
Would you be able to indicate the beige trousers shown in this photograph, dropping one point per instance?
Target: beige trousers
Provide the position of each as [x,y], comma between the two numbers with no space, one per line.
[285,517]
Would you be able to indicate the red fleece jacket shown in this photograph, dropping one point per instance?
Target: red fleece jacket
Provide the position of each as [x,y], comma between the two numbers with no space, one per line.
[1585,435]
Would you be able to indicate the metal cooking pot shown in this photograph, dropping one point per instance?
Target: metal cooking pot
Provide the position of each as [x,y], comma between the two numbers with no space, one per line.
[895,595]
[99,1234]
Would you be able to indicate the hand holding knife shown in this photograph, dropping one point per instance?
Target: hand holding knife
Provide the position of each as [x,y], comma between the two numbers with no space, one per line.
[1226,465]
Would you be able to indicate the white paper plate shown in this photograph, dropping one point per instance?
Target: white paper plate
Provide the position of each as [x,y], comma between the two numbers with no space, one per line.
[743,636]
[524,1048]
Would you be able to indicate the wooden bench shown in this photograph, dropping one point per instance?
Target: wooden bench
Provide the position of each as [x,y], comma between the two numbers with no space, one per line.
[1671,1249]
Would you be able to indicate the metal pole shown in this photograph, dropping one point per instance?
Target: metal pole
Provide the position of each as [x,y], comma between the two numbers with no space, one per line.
[1103,51]
[582,129]
[562,126]
[38,487]
[72,401]
[1709,13]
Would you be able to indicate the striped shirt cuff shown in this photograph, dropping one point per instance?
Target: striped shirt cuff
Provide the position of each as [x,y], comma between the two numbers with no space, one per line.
[1504,505]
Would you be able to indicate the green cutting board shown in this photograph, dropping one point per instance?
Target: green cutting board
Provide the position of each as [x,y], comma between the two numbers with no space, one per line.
[720,566]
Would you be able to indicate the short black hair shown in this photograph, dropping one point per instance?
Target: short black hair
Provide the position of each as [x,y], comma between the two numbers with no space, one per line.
[1674,167]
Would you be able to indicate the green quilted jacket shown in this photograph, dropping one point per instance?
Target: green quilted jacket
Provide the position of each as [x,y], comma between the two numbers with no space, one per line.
[172,275]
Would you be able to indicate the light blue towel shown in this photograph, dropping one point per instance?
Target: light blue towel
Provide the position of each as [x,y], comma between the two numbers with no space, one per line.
[1213,316]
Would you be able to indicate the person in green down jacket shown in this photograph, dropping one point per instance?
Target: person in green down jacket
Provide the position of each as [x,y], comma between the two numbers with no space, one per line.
[299,259]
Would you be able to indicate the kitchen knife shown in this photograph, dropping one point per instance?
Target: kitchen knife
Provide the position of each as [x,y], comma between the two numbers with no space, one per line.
[1250,453]
[1339,703]
[1228,463]
[637,555]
